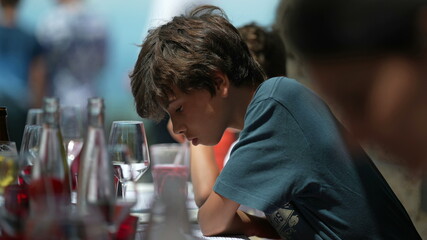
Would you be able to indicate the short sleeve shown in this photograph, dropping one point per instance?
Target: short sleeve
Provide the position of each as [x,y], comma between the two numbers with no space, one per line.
[265,168]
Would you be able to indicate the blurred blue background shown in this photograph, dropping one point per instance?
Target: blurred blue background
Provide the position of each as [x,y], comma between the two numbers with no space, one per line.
[127,24]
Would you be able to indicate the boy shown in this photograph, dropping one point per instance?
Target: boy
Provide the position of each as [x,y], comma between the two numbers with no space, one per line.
[291,161]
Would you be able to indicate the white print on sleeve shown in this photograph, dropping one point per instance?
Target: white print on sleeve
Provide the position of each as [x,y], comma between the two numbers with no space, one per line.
[284,221]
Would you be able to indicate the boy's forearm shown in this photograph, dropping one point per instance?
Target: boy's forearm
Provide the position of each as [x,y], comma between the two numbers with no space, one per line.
[220,216]
[217,215]
[204,172]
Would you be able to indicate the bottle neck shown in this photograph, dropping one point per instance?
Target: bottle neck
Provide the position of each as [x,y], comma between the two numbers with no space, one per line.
[96,120]
[51,112]
[96,113]
[4,134]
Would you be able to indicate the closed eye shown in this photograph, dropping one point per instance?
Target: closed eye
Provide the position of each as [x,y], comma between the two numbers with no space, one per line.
[179,109]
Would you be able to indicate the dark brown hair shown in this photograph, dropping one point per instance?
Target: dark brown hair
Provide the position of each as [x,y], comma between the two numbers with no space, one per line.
[186,53]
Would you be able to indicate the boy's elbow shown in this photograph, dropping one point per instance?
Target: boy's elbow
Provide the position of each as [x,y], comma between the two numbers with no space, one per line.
[209,228]
[201,196]
[200,200]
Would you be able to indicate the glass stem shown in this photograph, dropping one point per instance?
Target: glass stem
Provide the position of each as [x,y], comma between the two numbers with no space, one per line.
[124,190]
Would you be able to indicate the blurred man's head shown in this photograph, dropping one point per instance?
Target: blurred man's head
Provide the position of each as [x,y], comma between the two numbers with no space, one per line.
[267,48]
[368,58]
[9,3]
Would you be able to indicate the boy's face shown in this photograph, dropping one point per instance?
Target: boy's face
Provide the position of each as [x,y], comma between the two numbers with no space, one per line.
[200,117]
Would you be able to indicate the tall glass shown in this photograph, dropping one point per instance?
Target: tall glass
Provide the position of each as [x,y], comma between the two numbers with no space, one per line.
[29,151]
[170,164]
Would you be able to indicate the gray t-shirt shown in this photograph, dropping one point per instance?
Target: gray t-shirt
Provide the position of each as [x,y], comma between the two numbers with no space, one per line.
[292,163]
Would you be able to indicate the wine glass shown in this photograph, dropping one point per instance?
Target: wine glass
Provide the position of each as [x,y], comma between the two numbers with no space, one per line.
[29,151]
[130,156]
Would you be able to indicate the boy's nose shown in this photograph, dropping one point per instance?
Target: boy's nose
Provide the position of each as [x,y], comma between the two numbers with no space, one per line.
[178,128]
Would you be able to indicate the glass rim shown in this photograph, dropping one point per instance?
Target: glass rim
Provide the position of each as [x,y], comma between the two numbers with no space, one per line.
[128,122]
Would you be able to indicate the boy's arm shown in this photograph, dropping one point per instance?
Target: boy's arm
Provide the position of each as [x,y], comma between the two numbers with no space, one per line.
[219,215]
[204,172]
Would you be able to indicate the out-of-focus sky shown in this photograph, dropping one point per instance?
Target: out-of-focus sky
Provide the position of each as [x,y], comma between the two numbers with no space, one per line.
[128,22]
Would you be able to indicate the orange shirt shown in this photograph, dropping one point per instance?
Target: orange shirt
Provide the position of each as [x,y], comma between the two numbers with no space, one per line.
[221,149]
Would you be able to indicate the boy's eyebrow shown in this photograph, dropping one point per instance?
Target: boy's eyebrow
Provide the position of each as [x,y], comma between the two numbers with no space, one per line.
[170,101]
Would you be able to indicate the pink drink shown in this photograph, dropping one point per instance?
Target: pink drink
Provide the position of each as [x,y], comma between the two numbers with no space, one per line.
[170,172]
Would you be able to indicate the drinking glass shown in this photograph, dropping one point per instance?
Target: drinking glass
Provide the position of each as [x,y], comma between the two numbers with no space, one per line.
[170,163]
[125,178]
[29,151]
[34,116]
[130,155]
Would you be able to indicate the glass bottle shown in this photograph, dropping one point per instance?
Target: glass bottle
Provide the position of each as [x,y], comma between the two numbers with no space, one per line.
[169,216]
[50,183]
[95,191]
[4,134]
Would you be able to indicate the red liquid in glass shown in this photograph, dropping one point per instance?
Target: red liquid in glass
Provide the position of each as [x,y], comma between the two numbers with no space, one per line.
[16,199]
[127,228]
[42,188]
[16,203]
[163,173]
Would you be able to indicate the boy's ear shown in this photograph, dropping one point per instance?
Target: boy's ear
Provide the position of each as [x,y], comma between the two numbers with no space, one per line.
[222,83]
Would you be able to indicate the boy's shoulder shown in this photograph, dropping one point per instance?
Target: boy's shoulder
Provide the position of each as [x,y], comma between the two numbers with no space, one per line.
[280,87]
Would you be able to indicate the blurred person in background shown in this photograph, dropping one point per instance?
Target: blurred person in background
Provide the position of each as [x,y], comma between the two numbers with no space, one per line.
[22,69]
[75,39]
[291,161]
[266,47]
[368,59]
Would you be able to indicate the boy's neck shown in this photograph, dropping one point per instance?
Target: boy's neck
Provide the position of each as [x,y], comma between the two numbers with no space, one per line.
[241,97]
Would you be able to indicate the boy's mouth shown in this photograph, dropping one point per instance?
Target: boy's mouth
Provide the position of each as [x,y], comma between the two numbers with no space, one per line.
[194,141]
